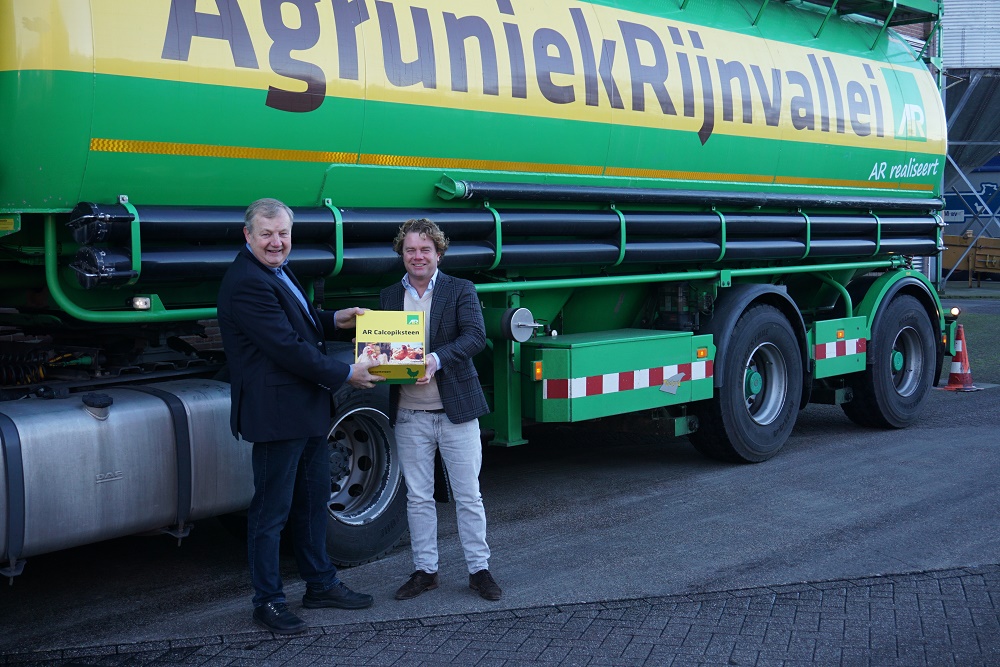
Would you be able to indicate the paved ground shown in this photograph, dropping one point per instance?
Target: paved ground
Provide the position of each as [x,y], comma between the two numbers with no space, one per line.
[944,617]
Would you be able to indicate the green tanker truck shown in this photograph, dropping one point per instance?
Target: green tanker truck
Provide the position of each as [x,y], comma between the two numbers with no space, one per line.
[705,212]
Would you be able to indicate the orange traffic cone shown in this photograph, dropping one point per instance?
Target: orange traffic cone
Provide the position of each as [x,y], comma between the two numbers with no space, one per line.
[960,378]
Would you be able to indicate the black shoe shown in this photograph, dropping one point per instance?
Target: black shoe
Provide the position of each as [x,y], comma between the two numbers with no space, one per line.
[418,582]
[274,616]
[482,582]
[339,596]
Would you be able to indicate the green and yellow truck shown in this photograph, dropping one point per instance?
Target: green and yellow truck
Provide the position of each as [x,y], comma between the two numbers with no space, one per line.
[702,211]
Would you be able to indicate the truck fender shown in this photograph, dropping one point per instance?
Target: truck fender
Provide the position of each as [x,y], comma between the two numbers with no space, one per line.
[870,295]
[733,302]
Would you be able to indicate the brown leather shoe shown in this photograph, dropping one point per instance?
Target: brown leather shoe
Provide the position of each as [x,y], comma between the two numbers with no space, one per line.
[482,582]
[418,582]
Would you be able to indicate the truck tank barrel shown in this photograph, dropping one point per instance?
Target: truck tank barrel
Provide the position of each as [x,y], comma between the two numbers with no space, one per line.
[544,100]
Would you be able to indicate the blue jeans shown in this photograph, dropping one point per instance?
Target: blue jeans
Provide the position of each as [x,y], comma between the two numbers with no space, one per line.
[418,435]
[291,480]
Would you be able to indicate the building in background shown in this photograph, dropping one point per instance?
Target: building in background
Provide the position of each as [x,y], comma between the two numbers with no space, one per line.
[971,64]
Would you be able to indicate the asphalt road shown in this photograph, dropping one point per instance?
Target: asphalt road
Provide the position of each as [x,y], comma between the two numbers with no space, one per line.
[581,515]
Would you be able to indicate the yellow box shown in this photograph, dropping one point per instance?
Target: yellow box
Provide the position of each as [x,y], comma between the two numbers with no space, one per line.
[396,339]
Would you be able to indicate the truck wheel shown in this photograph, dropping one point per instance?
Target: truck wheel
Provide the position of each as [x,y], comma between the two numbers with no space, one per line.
[367,505]
[891,389]
[754,410]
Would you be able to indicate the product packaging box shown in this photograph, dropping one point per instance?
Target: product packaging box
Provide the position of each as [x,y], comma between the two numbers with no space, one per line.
[396,339]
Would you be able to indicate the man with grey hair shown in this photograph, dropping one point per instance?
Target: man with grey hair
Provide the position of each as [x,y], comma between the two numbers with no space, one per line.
[282,383]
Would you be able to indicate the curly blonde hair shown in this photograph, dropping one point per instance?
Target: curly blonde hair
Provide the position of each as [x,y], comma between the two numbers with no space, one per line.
[424,227]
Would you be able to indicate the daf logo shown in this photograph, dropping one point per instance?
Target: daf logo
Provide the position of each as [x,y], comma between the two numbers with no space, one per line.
[109,476]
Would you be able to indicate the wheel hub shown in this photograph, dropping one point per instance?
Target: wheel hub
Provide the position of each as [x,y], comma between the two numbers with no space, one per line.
[897,361]
[340,463]
[765,383]
[363,470]
[906,362]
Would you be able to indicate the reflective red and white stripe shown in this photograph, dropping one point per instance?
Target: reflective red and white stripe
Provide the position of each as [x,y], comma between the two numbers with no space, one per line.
[960,363]
[840,348]
[610,383]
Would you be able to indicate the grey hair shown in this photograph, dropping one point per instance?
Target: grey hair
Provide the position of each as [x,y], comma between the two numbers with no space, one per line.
[265,208]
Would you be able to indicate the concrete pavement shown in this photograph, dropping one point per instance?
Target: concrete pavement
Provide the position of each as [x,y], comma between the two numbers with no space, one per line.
[943,617]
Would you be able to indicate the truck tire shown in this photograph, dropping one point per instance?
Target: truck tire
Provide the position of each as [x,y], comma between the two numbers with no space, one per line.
[891,389]
[753,412]
[367,505]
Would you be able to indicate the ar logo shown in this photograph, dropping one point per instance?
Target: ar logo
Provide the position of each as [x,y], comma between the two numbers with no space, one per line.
[911,125]
[412,320]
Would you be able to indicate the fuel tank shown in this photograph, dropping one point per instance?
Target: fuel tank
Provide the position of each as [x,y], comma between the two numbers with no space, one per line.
[368,103]
[125,460]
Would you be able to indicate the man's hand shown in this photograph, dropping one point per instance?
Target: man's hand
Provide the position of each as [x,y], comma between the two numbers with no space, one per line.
[360,377]
[347,318]
[430,368]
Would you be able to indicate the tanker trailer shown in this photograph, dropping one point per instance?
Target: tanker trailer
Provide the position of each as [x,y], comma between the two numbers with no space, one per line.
[700,212]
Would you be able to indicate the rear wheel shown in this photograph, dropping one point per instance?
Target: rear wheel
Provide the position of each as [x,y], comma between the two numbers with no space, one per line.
[891,389]
[754,410]
[367,504]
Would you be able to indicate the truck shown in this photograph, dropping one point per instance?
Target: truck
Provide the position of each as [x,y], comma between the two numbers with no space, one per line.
[694,215]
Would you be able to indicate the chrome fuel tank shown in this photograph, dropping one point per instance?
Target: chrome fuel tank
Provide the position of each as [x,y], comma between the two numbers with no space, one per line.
[116,462]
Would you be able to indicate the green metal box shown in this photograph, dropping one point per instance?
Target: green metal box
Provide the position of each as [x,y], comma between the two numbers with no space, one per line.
[590,375]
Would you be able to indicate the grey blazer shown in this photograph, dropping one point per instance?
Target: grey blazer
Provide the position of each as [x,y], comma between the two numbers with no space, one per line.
[457,333]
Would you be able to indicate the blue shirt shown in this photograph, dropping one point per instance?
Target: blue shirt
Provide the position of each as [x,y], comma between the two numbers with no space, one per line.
[283,277]
[413,290]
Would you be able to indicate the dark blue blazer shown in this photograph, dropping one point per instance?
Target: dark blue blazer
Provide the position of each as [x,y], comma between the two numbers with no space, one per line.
[281,377]
[457,333]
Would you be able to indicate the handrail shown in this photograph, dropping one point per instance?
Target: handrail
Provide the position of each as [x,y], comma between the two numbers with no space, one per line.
[136,239]
[808,234]
[563,283]
[499,234]
[338,221]
[621,244]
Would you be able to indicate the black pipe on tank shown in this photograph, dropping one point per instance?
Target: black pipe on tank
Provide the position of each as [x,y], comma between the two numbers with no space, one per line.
[682,250]
[764,225]
[380,225]
[377,259]
[113,266]
[98,223]
[913,247]
[765,249]
[578,224]
[680,225]
[529,238]
[558,253]
[841,248]
[909,226]
[495,191]
[842,226]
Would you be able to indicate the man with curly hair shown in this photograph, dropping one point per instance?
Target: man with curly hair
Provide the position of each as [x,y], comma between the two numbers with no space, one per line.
[440,413]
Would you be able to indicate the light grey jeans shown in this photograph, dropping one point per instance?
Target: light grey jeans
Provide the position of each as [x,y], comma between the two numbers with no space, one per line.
[418,435]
